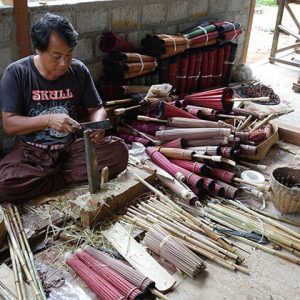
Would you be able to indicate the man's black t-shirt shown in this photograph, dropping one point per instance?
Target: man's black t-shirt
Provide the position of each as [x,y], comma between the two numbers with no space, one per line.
[23,90]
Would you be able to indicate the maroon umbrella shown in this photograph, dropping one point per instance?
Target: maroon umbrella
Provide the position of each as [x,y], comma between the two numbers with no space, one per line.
[222,175]
[165,110]
[218,67]
[230,191]
[111,42]
[218,99]
[177,143]
[218,190]
[147,127]
[195,167]
[134,138]
[182,72]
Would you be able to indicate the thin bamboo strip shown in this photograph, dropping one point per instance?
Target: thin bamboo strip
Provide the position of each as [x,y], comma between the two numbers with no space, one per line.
[296,252]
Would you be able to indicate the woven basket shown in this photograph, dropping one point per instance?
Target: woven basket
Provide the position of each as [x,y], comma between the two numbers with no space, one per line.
[264,147]
[286,197]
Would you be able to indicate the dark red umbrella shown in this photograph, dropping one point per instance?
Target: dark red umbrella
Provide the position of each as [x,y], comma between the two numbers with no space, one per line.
[111,42]
[192,166]
[219,99]
[165,110]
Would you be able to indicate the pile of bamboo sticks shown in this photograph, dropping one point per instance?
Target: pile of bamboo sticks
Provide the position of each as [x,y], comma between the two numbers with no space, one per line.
[191,231]
[21,255]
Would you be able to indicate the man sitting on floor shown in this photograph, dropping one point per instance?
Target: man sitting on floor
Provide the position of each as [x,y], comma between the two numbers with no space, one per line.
[40,96]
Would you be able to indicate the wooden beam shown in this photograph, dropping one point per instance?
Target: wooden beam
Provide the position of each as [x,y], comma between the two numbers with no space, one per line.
[248,32]
[20,12]
[288,133]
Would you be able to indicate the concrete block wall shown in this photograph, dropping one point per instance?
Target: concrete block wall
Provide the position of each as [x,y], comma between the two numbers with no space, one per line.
[131,19]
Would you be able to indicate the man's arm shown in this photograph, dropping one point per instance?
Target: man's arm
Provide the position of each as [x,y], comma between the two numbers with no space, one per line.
[15,124]
[97,114]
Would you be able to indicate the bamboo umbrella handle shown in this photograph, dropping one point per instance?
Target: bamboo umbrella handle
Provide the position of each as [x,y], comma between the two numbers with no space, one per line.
[261,187]
[259,99]
[141,134]
[158,294]
[262,123]
[116,102]
[213,158]
[260,168]
[148,119]
[244,124]
[231,117]
[121,111]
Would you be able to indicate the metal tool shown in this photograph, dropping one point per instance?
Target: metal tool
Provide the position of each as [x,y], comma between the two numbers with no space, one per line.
[104,124]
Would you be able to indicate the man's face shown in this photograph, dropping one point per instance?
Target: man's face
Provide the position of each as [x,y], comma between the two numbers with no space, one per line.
[57,58]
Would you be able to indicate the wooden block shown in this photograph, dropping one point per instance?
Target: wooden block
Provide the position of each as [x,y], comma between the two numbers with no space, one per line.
[288,133]
[7,279]
[113,196]
[138,257]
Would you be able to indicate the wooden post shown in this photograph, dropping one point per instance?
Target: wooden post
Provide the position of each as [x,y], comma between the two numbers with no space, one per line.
[276,33]
[248,32]
[22,27]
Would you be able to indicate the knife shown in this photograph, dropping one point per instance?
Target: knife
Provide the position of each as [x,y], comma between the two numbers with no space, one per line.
[104,124]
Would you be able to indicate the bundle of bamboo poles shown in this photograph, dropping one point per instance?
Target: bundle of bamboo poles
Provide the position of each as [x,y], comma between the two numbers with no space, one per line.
[163,244]
[238,217]
[191,231]
[21,255]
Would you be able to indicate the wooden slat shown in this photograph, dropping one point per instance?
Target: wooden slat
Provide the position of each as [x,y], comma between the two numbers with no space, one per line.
[22,27]
[138,257]
[248,32]
[288,133]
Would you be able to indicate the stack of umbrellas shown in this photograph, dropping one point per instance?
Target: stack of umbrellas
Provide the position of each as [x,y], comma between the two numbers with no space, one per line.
[111,42]
[122,65]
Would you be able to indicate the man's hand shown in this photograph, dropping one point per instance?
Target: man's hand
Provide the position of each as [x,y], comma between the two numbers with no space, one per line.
[62,123]
[97,135]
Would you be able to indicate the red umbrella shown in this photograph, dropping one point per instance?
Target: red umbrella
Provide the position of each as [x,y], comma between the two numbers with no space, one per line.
[127,289]
[166,110]
[192,166]
[219,99]
[101,287]
[111,42]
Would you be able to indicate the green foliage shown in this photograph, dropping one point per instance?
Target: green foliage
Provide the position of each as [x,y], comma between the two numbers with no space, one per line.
[266,2]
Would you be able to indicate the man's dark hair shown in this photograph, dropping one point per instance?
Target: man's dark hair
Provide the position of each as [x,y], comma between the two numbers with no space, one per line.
[42,29]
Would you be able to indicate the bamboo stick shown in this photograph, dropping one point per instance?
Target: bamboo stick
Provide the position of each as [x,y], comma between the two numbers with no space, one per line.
[259,186]
[14,266]
[5,293]
[231,117]
[268,220]
[257,167]
[244,124]
[269,250]
[121,111]
[148,119]
[258,99]
[158,294]
[117,102]
[262,123]
[36,275]
[20,257]
[276,217]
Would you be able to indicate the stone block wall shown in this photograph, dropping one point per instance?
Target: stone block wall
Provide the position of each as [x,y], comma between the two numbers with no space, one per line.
[131,19]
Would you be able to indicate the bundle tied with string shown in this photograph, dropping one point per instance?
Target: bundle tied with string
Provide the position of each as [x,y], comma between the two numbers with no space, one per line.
[121,65]
[172,250]
[132,275]
[125,287]
[164,45]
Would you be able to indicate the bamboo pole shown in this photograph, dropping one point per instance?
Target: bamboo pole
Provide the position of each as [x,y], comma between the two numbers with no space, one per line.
[121,111]
[268,220]
[258,99]
[20,257]
[269,250]
[117,102]
[5,293]
[15,270]
[36,275]
[158,294]
[276,217]
[244,124]
[262,123]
